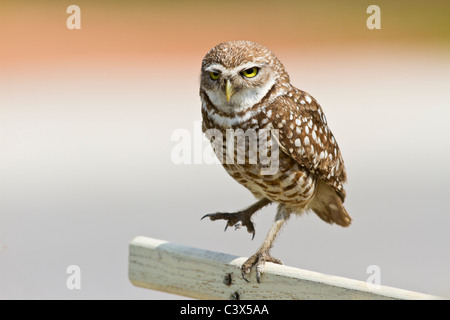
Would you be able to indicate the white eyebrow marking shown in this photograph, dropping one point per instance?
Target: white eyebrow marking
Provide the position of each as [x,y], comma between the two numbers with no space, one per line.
[218,67]
[215,67]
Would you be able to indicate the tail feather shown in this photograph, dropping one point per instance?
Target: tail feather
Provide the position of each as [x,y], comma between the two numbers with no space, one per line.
[328,205]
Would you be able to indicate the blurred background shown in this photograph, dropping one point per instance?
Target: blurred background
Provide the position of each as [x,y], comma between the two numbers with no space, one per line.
[86,119]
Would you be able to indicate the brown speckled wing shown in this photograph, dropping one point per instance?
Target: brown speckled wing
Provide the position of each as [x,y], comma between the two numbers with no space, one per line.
[304,135]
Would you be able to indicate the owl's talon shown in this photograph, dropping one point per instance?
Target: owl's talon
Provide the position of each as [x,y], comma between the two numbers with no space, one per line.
[258,261]
[206,216]
[236,219]
[244,275]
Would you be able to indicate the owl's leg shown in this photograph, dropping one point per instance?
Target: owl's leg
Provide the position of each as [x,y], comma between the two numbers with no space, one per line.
[262,255]
[240,218]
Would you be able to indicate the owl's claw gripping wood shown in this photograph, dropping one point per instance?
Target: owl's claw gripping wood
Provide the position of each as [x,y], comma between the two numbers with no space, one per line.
[239,218]
[257,260]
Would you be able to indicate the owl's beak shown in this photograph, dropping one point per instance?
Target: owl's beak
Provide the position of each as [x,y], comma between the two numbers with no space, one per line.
[229,90]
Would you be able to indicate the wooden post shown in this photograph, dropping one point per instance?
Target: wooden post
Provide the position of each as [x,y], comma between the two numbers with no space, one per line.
[201,274]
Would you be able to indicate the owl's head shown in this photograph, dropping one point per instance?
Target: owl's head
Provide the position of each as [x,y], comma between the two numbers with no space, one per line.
[238,74]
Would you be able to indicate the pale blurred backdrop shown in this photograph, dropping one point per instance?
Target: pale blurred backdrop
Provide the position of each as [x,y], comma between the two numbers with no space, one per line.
[86,118]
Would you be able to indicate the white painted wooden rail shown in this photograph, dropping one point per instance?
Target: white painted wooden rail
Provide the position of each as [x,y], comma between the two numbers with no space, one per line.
[201,274]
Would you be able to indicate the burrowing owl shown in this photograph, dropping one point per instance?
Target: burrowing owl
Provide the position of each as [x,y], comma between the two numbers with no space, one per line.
[245,86]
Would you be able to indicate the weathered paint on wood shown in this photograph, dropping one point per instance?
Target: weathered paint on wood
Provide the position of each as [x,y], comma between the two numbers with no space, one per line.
[201,274]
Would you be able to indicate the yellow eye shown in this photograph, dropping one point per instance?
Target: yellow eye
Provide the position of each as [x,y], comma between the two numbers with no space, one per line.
[214,75]
[250,73]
